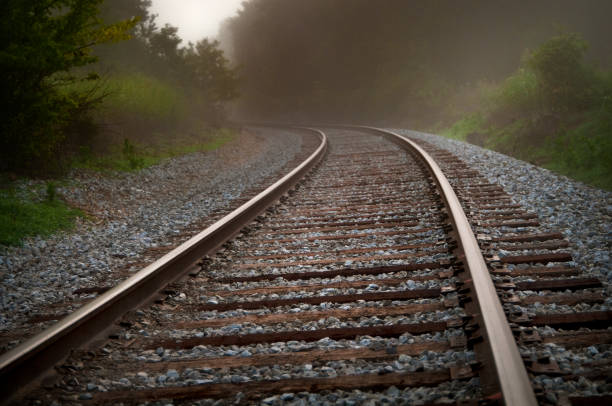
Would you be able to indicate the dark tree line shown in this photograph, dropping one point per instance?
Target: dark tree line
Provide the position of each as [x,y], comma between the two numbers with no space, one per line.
[398,60]
[42,44]
[53,54]
[202,67]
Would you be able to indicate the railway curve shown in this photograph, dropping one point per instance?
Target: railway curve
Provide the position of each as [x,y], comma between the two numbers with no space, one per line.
[365,278]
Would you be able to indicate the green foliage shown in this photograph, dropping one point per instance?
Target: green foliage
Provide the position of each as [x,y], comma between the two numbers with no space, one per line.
[132,157]
[518,93]
[555,111]
[584,152]
[25,216]
[211,72]
[403,69]
[511,139]
[137,94]
[129,153]
[51,191]
[603,92]
[41,42]
[563,80]
[144,95]
[553,79]
[464,127]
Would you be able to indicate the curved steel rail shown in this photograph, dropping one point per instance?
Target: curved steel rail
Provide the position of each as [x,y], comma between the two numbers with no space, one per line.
[511,373]
[29,360]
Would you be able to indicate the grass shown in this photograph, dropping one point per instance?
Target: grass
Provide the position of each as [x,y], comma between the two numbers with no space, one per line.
[134,94]
[145,95]
[143,108]
[584,152]
[28,212]
[132,156]
[581,151]
[144,119]
[24,215]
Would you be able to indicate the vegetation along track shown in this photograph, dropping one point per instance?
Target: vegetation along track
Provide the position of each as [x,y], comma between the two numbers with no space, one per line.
[362,285]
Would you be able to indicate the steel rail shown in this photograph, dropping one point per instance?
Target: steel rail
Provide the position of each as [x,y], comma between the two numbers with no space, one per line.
[511,373]
[26,362]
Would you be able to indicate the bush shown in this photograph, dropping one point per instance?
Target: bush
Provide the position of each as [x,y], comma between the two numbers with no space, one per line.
[564,81]
[584,153]
[518,93]
[555,111]
[465,128]
[41,43]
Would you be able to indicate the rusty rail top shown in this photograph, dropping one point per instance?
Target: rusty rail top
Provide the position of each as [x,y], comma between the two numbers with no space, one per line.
[512,375]
[24,363]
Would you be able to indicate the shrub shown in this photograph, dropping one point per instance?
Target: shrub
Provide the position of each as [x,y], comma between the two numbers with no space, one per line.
[41,43]
[564,82]
[584,152]
[466,128]
[519,92]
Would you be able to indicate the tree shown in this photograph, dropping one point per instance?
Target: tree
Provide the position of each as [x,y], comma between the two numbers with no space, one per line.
[564,81]
[211,73]
[41,44]
[209,79]
[112,11]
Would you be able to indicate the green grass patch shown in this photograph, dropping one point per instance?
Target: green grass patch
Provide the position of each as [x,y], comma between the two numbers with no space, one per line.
[142,94]
[23,216]
[584,153]
[136,93]
[131,156]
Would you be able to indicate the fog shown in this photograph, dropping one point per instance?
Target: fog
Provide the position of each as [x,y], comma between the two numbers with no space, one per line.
[195,19]
[394,61]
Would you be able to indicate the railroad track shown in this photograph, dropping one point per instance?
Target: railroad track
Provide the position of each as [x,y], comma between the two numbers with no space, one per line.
[364,284]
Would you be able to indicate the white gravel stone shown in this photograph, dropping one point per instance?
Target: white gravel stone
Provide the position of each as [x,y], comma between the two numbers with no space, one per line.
[581,212]
[135,211]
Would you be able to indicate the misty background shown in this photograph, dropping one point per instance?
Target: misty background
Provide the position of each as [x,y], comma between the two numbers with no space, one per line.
[109,86]
[393,62]
[140,79]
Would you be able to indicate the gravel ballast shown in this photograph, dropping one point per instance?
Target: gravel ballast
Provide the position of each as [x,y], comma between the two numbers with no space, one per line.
[581,212]
[129,214]
[134,217]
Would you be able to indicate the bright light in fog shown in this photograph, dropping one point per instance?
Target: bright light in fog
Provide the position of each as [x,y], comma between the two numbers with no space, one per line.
[195,19]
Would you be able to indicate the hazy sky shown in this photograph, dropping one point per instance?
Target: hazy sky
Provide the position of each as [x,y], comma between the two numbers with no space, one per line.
[195,19]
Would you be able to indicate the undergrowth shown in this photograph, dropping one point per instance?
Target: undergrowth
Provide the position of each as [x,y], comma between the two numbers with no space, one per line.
[555,112]
[135,93]
[132,156]
[585,152]
[25,214]
[38,211]
[462,128]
